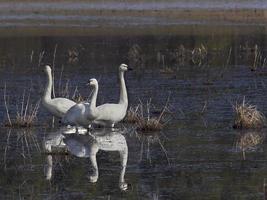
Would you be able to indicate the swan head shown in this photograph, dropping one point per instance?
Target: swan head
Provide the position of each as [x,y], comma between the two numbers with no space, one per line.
[47,69]
[92,82]
[124,67]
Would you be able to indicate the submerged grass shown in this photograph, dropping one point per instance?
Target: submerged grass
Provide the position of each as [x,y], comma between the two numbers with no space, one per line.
[247,116]
[259,60]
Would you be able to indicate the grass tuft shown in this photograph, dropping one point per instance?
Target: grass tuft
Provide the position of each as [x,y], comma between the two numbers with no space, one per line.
[132,115]
[26,114]
[167,70]
[247,116]
[199,54]
[145,120]
[135,56]
[149,125]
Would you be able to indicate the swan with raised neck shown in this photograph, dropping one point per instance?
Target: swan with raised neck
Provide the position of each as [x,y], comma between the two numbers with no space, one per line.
[123,91]
[110,113]
[82,114]
[58,107]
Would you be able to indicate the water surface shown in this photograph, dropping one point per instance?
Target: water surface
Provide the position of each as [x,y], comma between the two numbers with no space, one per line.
[197,155]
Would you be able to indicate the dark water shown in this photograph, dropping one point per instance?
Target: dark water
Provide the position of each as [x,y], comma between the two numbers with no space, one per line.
[196,156]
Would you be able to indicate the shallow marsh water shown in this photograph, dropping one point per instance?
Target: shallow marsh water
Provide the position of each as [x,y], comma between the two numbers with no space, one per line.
[196,156]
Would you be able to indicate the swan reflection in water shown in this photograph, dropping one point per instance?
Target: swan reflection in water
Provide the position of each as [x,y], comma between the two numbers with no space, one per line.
[52,143]
[87,146]
[249,141]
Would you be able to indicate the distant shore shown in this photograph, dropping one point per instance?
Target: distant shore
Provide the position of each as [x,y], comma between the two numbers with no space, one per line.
[84,18]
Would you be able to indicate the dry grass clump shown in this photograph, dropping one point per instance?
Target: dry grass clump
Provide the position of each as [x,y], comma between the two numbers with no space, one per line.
[136,56]
[26,114]
[172,59]
[167,70]
[199,54]
[149,124]
[248,141]
[26,119]
[132,115]
[144,120]
[78,98]
[73,55]
[247,116]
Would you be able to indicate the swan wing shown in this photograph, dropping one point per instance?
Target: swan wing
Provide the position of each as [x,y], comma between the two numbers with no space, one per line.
[76,115]
[61,105]
[111,112]
[73,113]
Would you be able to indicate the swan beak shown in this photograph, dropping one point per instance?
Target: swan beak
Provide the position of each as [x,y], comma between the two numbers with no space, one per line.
[88,83]
[130,69]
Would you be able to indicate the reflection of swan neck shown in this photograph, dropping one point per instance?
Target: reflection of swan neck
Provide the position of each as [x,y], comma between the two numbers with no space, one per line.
[122,174]
[48,88]
[49,167]
[123,90]
[124,158]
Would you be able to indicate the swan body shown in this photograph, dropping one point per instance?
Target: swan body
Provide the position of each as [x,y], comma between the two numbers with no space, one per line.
[82,114]
[56,106]
[76,115]
[111,113]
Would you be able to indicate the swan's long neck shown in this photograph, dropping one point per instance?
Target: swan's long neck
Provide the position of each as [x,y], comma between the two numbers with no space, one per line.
[48,88]
[123,90]
[91,111]
[94,97]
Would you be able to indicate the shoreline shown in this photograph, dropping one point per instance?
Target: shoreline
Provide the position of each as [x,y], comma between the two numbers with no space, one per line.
[193,30]
[115,22]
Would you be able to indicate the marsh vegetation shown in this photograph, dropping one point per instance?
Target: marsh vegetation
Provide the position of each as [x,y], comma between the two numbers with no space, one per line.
[248,116]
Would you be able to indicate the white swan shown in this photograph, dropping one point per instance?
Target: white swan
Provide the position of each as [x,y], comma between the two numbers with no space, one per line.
[57,106]
[82,114]
[88,146]
[110,113]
